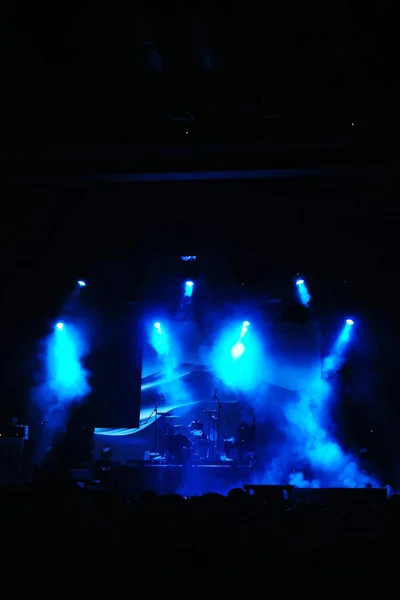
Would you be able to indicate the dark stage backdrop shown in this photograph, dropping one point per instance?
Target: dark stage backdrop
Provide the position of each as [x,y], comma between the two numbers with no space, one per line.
[115,364]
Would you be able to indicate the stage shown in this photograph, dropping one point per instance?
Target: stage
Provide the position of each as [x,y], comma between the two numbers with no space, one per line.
[195,479]
[134,479]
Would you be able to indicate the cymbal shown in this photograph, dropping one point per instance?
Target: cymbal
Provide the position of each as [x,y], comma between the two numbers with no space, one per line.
[166,416]
[209,412]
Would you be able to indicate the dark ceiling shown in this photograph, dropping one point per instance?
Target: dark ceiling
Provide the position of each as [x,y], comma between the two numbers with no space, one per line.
[117,71]
[302,84]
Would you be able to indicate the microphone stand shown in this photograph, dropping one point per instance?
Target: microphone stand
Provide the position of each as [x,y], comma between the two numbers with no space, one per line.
[155,413]
[220,409]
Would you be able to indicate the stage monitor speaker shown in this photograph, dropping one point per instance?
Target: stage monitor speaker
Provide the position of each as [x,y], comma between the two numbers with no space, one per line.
[337,498]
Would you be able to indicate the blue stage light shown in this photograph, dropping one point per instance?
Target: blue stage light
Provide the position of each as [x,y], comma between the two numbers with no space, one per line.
[237,350]
[302,291]
[189,287]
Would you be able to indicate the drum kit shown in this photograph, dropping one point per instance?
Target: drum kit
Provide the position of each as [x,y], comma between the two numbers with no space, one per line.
[200,439]
[196,441]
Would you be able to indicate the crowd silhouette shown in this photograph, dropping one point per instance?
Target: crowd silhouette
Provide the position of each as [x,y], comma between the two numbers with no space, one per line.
[237,528]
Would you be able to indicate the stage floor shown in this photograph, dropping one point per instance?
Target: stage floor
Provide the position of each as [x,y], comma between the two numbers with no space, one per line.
[195,480]
[186,480]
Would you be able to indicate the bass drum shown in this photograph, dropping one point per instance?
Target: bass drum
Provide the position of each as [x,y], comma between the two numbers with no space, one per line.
[196,429]
[179,448]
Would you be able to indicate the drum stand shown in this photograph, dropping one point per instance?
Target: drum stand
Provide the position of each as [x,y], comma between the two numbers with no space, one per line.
[220,409]
[211,424]
[155,413]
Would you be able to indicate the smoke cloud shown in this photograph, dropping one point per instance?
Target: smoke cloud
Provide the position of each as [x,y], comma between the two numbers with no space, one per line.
[62,380]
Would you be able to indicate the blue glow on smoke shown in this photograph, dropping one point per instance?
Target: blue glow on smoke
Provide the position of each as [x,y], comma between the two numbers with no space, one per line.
[237,357]
[62,380]
[63,377]
[67,379]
